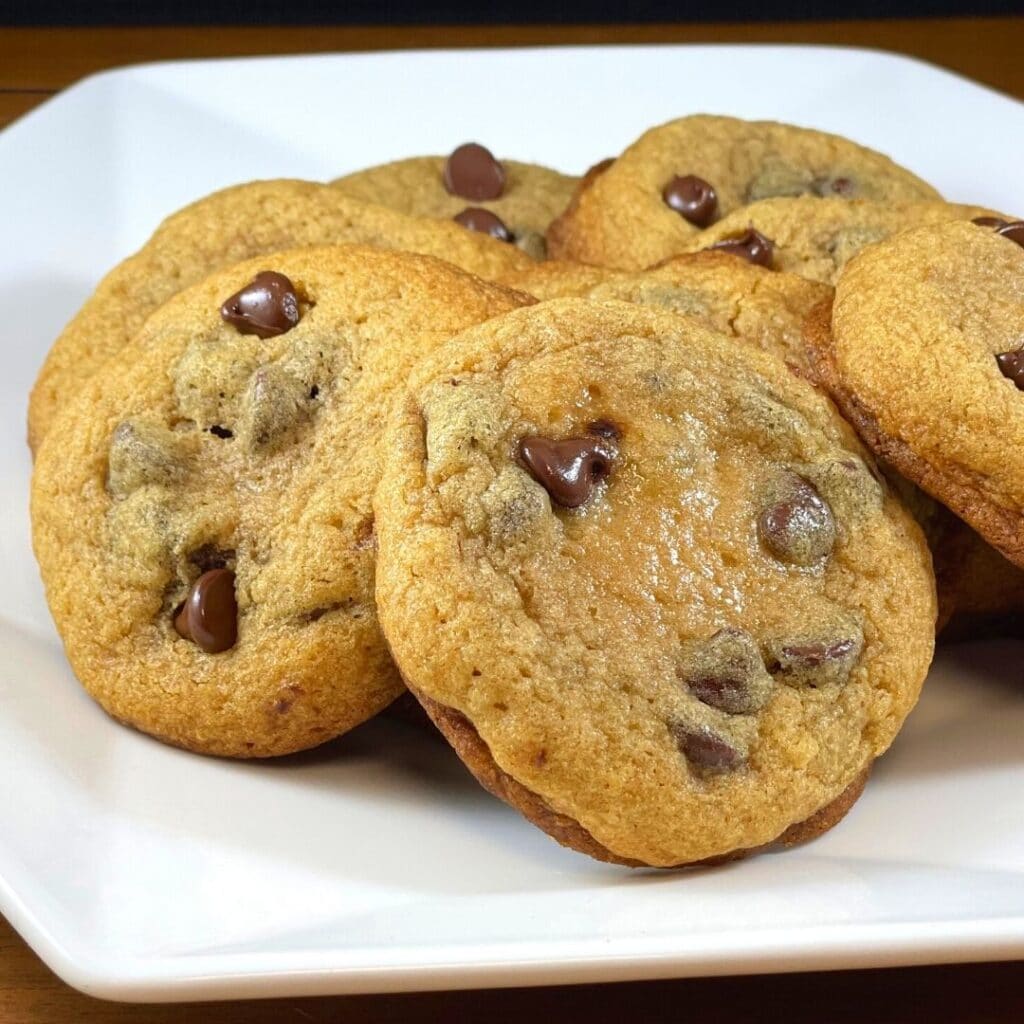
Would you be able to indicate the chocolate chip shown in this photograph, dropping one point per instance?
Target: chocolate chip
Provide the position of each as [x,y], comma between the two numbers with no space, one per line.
[222,432]
[834,187]
[726,672]
[815,662]
[473,173]
[209,616]
[989,222]
[604,428]
[814,654]
[209,556]
[568,469]
[797,525]
[749,245]
[705,748]
[1011,365]
[692,198]
[266,306]
[1013,231]
[476,218]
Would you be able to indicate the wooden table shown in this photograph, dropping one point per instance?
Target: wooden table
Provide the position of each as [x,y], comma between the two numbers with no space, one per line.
[35,63]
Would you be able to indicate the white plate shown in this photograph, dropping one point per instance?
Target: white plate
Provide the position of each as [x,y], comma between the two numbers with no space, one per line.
[139,872]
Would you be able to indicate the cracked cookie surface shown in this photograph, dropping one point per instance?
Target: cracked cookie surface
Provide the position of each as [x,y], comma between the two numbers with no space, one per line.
[653,573]
[201,510]
[744,301]
[523,197]
[684,176]
[921,350]
[225,228]
[816,238]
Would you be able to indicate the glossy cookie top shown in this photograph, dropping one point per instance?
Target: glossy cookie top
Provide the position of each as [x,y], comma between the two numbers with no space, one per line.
[740,299]
[201,510]
[656,574]
[923,353]
[224,228]
[509,200]
[816,238]
[686,175]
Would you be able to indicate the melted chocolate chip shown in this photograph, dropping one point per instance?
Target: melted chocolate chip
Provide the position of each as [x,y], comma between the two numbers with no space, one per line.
[604,428]
[705,748]
[814,654]
[843,187]
[1011,366]
[568,469]
[209,616]
[266,307]
[473,173]
[798,525]
[749,245]
[813,662]
[1013,231]
[476,218]
[726,672]
[989,222]
[692,198]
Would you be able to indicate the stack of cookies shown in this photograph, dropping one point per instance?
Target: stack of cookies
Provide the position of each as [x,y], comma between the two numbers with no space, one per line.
[633,482]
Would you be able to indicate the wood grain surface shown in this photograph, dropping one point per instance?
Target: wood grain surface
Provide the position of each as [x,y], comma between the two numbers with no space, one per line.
[970,994]
[35,63]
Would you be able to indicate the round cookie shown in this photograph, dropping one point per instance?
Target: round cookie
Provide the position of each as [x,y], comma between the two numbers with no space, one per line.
[225,228]
[921,350]
[815,238]
[987,591]
[979,592]
[646,582]
[201,509]
[686,175]
[730,295]
[524,198]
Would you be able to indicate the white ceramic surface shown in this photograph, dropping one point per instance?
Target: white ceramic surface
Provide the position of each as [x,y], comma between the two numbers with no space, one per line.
[139,872]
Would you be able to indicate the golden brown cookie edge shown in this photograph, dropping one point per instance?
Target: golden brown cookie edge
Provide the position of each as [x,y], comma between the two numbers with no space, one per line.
[467,743]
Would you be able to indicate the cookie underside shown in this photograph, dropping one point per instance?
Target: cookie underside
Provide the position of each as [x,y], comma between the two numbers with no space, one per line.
[460,732]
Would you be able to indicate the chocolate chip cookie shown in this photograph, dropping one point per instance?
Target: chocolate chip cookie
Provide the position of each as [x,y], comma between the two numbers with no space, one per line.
[201,509]
[815,238]
[224,228]
[733,296]
[647,582]
[922,352]
[686,175]
[986,595]
[511,201]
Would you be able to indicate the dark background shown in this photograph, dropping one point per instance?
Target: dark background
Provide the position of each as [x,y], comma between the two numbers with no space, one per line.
[441,12]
